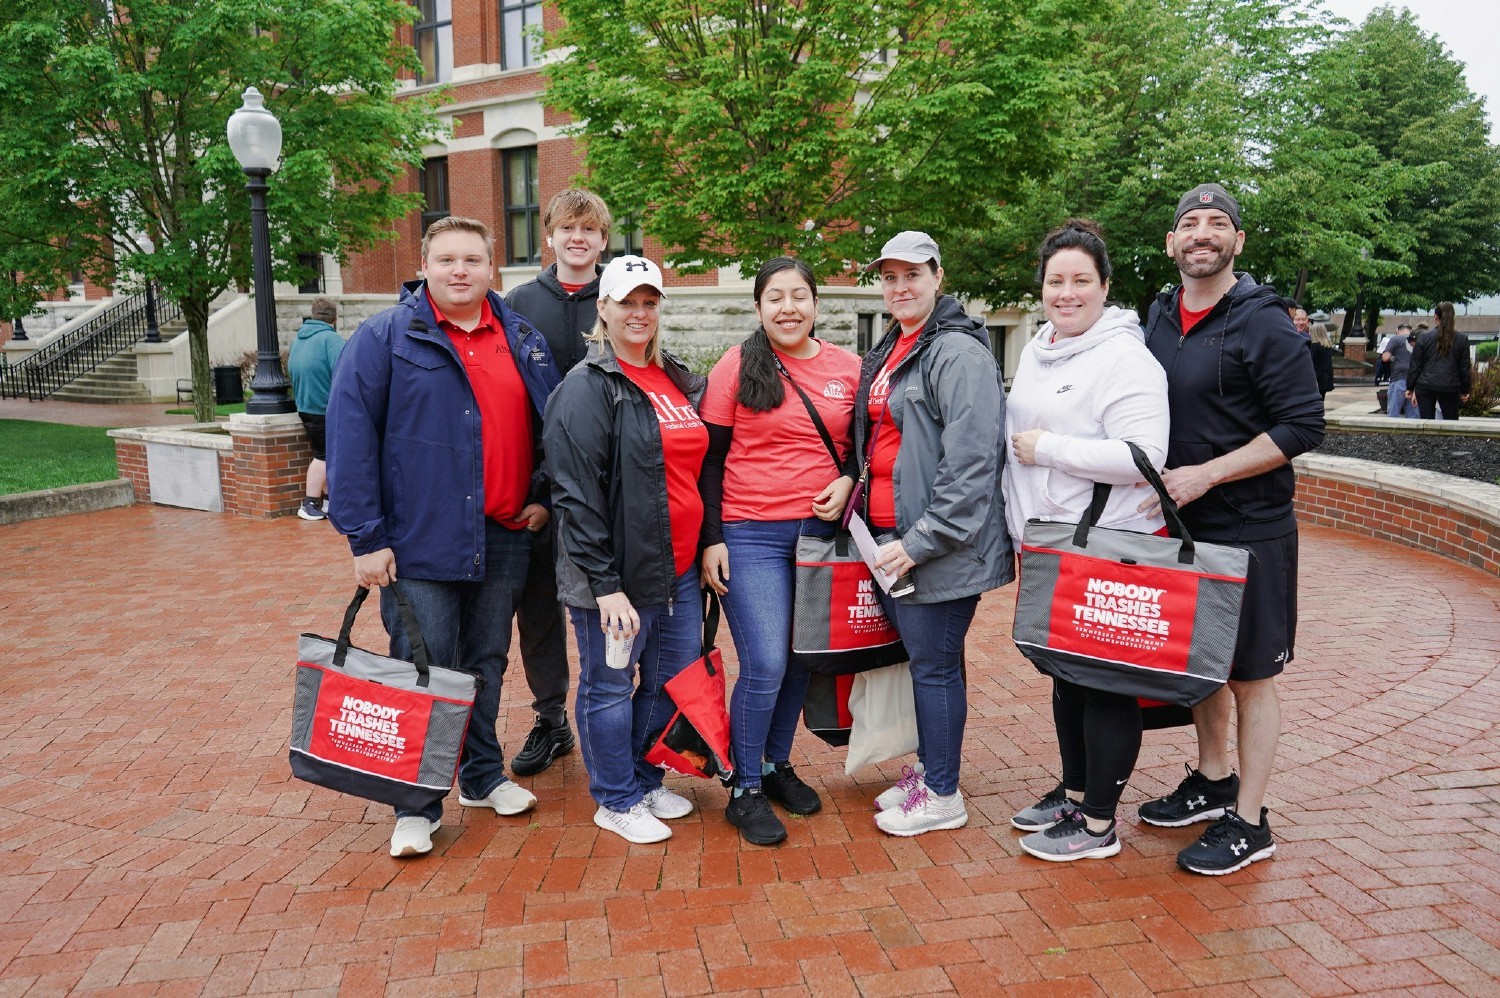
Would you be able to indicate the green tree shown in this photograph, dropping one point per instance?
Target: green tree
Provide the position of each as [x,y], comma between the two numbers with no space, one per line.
[1174,93]
[1395,89]
[737,130]
[113,152]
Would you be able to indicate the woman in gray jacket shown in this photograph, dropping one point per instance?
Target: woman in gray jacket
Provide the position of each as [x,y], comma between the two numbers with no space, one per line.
[930,423]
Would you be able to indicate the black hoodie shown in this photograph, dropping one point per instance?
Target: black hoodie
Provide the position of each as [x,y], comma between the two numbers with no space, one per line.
[1242,371]
[563,318]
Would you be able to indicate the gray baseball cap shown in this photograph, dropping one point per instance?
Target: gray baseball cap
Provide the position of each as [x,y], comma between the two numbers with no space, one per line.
[908,247]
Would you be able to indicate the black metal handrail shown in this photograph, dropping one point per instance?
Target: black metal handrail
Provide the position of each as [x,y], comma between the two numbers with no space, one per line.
[79,351]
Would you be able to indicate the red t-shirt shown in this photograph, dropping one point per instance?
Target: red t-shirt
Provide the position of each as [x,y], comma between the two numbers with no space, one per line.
[777,460]
[882,490]
[1190,319]
[684,441]
[504,414]
[572,289]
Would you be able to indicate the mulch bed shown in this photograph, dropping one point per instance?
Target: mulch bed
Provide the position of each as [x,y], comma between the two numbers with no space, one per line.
[1467,457]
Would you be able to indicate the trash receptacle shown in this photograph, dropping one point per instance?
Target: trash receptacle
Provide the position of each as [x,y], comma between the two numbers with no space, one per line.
[228,388]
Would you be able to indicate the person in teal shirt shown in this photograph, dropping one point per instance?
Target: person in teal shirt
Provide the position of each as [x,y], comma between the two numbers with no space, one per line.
[315,351]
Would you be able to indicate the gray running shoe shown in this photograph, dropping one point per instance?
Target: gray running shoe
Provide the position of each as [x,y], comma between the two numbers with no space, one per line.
[1046,812]
[1070,839]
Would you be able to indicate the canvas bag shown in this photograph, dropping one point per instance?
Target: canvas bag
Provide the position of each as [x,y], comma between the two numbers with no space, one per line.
[883,709]
[838,624]
[1130,613]
[695,741]
[376,727]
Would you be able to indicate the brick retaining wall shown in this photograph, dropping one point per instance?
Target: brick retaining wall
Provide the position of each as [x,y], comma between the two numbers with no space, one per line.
[1454,517]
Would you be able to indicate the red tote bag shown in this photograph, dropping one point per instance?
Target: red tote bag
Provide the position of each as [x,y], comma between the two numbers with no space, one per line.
[695,741]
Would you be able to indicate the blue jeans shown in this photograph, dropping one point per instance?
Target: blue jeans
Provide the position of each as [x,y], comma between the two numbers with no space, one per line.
[934,637]
[467,626]
[767,700]
[1396,405]
[618,718]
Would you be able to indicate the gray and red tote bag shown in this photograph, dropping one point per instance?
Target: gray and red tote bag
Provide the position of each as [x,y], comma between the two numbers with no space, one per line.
[838,625]
[1131,613]
[376,727]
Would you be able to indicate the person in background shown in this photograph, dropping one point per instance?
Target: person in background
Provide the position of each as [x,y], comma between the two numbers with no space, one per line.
[1397,354]
[625,448]
[1439,375]
[1085,389]
[768,480]
[315,351]
[1321,348]
[562,302]
[930,420]
[1298,315]
[433,424]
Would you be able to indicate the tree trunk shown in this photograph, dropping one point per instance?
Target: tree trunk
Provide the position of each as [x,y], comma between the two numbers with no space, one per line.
[195,313]
[1301,285]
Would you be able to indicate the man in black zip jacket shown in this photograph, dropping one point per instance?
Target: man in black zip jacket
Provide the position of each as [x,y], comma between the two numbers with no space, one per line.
[562,302]
[1244,401]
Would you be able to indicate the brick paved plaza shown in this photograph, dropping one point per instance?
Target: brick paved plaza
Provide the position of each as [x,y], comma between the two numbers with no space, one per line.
[154,842]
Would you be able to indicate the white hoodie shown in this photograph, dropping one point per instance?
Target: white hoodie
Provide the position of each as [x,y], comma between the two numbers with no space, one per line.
[1091,393]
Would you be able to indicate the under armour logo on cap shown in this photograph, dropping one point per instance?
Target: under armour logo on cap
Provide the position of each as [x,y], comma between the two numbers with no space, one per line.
[626,273]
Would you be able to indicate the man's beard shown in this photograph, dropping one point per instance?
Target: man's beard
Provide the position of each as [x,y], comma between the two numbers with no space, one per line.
[1199,269]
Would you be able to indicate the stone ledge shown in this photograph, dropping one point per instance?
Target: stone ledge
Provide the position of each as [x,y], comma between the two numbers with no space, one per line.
[1465,494]
[1359,417]
[69,499]
[207,436]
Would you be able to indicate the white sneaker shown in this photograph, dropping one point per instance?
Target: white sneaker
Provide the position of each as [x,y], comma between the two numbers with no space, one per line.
[911,779]
[508,798]
[637,825]
[413,836]
[664,803]
[924,811]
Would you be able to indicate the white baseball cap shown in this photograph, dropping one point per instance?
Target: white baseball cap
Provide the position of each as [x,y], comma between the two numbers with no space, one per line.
[626,273]
[908,247]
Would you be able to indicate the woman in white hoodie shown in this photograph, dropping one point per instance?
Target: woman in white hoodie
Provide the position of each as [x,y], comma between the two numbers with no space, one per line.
[1086,384]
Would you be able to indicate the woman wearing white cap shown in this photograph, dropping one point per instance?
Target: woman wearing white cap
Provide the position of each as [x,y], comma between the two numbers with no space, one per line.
[625,449]
[930,422]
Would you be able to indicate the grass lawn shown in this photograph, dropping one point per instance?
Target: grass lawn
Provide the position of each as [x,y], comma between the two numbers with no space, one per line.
[50,455]
[219,410]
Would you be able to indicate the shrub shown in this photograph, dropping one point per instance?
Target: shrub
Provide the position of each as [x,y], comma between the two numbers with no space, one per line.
[1484,394]
[1485,352]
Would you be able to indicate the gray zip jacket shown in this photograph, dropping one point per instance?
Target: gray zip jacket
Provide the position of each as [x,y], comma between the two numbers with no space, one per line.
[949,404]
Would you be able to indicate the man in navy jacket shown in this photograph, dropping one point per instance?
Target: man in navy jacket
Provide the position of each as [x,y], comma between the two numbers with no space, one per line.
[433,464]
[1244,401]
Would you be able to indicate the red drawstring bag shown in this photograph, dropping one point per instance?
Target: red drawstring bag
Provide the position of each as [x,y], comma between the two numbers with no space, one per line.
[695,742]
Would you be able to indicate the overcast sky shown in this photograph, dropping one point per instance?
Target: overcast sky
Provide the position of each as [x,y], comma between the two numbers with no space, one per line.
[1469,28]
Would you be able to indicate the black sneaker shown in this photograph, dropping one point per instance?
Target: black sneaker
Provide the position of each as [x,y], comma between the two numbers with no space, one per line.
[545,743]
[751,813]
[312,509]
[1230,844]
[786,788]
[1195,799]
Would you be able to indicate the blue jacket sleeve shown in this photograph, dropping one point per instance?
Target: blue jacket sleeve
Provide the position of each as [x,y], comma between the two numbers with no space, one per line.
[357,404]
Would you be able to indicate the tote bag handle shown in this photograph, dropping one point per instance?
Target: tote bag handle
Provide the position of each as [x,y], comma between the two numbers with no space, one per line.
[710,627]
[414,637]
[1169,509]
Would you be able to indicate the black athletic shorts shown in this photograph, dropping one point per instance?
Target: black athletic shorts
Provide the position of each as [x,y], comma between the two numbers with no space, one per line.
[317,434]
[1268,617]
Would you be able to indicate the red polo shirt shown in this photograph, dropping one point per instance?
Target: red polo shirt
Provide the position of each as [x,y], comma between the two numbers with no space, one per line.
[504,413]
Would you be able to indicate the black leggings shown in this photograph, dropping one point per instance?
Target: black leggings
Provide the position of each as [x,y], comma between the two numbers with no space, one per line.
[1098,737]
[1429,402]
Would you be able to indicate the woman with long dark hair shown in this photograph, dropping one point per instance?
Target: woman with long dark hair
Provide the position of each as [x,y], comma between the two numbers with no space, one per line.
[769,479]
[1085,389]
[930,421]
[1439,376]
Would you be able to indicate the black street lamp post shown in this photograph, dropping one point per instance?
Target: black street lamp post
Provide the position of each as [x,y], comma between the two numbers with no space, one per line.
[17,327]
[1359,302]
[153,331]
[255,137]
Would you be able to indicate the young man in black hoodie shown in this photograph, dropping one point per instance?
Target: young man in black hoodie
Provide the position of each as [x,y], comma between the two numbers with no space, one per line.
[1244,402]
[562,302]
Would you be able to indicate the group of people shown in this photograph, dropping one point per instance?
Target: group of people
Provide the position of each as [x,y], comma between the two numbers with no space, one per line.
[1429,368]
[513,455]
